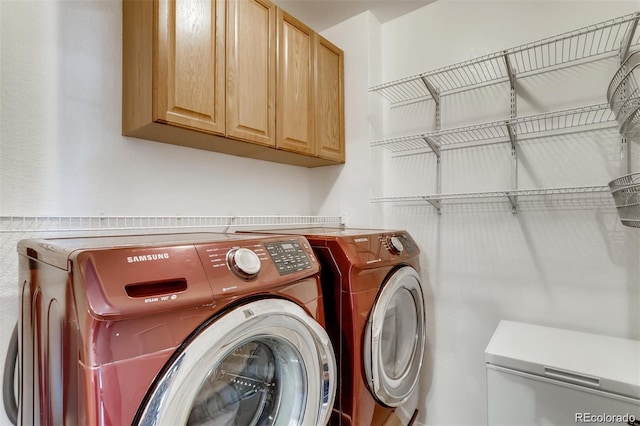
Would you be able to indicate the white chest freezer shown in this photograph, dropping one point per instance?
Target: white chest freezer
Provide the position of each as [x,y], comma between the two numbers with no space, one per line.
[548,376]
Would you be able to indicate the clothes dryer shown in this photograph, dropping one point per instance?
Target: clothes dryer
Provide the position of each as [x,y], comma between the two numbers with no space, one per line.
[176,329]
[375,312]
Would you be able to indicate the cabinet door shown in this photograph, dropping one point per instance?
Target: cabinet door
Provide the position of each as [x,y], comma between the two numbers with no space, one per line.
[329,98]
[251,70]
[189,73]
[296,72]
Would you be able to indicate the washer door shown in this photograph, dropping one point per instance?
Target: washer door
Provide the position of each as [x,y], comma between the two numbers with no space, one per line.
[395,338]
[266,362]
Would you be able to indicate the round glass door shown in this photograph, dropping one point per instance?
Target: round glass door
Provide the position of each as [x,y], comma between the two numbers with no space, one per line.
[395,338]
[246,387]
[264,363]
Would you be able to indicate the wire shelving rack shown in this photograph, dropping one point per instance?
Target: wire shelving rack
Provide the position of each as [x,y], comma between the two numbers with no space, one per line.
[590,117]
[508,194]
[594,42]
[608,39]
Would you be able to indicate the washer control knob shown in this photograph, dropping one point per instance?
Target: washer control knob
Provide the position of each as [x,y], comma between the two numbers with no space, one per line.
[244,262]
[395,245]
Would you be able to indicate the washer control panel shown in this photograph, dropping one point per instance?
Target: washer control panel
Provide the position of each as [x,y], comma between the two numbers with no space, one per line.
[288,256]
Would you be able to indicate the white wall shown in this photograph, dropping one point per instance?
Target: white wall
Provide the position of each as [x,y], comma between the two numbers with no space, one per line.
[347,191]
[62,149]
[564,262]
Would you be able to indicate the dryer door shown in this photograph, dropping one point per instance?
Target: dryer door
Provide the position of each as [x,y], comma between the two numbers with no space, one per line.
[265,362]
[395,338]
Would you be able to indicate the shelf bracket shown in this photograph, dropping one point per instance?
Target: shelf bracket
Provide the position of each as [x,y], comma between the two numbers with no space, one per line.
[625,45]
[512,136]
[513,199]
[432,90]
[510,73]
[435,203]
[433,145]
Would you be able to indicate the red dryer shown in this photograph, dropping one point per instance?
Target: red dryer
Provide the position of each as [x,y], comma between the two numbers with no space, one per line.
[375,316]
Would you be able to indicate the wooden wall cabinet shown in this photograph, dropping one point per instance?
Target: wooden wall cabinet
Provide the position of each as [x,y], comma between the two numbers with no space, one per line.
[296,75]
[329,100]
[240,77]
[251,71]
[310,101]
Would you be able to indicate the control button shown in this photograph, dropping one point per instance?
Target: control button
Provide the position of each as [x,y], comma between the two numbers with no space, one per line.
[244,262]
[395,245]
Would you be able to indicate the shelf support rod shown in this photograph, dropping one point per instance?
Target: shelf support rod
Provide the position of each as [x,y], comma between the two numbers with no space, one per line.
[626,42]
[432,90]
[625,45]
[435,94]
[513,199]
[438,158]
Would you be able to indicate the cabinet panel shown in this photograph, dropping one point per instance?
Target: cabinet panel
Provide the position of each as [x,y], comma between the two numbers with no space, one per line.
[329,101]
[251,68]
[189,77]
[202,73]
[295,100]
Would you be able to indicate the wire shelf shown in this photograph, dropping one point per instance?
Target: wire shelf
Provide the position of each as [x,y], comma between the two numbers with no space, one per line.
[582,118]
[593,42]
[495,194]
[31,224]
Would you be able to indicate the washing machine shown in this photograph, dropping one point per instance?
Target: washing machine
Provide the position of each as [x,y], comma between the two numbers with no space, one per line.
[375,310]
[175,329]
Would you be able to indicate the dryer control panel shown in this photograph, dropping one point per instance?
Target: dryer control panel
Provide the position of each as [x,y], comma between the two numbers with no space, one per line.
[375,250]
[288,256]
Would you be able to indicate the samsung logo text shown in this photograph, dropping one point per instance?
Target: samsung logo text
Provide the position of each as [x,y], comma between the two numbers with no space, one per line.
[147,257]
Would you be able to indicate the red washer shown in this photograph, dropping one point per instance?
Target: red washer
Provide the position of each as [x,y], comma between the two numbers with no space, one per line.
[375,312]
[173,329]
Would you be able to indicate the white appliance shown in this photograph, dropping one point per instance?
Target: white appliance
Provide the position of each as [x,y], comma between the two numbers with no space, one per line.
[547,376]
